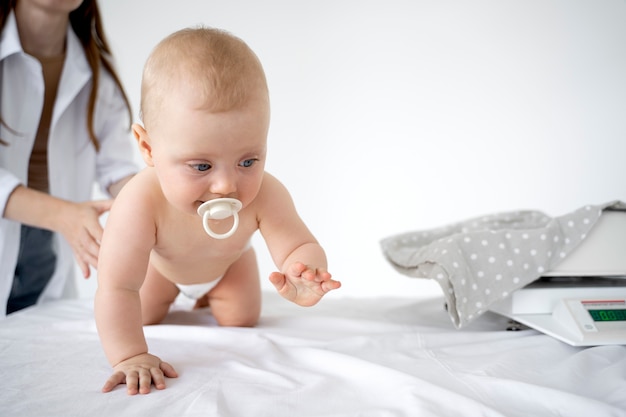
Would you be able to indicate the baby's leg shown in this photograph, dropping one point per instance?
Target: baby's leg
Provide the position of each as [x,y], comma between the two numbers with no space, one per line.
[236,300]
[157,294]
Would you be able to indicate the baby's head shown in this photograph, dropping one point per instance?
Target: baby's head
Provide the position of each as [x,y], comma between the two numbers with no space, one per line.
[205,110]
[211,67]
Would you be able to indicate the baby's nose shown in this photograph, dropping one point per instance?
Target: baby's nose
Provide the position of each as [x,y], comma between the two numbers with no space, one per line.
[223,183]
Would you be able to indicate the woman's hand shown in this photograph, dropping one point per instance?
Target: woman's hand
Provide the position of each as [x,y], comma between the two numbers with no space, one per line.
[79,224]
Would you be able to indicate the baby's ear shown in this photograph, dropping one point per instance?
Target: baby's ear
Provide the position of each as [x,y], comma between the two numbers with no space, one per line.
[143,141]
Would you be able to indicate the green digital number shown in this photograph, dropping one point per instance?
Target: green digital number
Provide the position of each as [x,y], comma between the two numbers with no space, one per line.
[608,315]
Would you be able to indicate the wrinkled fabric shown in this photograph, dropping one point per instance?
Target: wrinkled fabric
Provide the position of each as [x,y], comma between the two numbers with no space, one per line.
[345,357]
[480,261]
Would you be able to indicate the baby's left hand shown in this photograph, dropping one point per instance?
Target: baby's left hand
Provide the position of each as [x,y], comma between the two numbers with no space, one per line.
[303,285]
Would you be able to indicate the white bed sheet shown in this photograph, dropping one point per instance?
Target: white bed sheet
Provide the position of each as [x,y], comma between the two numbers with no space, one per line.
[344,357]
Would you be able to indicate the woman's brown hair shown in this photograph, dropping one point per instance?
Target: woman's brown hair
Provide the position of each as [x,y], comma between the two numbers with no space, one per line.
[87,24]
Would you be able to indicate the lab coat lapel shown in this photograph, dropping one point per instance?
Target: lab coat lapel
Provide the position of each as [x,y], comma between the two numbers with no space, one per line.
[76,74]
[10,41]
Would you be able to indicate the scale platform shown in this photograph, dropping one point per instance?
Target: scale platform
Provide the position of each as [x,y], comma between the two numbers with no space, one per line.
[580,311]
[582,301]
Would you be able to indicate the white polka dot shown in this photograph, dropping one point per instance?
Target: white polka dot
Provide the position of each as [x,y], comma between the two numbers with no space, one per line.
[487,291]
[533,252]
[443,252]
[484,243]
[508,236]
[439,276]
[498,277]
[583,236]
[556,239]
[455,264]
[540,269]
[570,223]
[505,294]
[492,259]
[464,300]
[467,239]
[542,237]
[474,287]
[515,280]
[526,266]
[473,256]
[586,221]
[501,246]
[525,236]
[509,262]
[479,304]
[516,250]
[463,281]
[562,254]
[480,274]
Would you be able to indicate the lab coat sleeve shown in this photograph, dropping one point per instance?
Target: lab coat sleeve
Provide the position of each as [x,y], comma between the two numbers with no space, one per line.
[117,156]
[8,183]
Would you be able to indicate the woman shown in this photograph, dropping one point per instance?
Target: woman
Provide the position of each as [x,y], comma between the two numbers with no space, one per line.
[64,123]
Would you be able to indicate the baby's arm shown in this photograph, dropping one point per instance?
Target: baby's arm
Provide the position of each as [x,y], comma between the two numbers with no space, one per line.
[303,276]
[124,254]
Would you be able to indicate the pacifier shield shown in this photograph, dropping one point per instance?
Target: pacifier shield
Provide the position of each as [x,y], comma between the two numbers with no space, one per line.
[219,209]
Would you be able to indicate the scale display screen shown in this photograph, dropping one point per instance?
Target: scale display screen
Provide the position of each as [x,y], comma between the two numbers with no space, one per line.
[608,314]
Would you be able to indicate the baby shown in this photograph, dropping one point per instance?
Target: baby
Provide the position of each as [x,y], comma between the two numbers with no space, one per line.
[205,112]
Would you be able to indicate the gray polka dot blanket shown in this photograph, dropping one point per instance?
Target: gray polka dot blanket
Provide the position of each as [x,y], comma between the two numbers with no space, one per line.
[483,260]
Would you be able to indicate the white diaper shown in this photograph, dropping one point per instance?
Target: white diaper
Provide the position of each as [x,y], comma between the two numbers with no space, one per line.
[195,291]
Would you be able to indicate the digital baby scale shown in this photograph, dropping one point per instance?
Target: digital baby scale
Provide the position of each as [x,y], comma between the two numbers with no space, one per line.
[582,301]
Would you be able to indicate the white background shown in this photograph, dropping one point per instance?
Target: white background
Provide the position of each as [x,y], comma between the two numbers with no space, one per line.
[400,115]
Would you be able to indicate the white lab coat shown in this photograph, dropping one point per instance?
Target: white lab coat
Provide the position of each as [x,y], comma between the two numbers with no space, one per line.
[73,164]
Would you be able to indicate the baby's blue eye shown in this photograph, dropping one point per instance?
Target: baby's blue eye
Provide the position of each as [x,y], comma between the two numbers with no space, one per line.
[248,163]
[202,167]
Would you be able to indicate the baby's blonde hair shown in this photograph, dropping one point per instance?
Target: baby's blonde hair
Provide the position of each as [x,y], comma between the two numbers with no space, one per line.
[218,67]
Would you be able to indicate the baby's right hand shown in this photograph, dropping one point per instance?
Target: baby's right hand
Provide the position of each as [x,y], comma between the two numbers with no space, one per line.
[139,373]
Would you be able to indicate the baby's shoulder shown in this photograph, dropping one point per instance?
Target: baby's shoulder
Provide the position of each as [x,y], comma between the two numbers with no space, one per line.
[271,188]
[272,194]
[142,189]
[272,184]
[143,182]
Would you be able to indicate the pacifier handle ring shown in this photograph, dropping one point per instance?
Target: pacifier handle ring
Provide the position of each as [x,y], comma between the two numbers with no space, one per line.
[205,222]
[218,209]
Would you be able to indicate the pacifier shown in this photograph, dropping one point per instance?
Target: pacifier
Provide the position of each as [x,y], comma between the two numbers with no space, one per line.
[218,209]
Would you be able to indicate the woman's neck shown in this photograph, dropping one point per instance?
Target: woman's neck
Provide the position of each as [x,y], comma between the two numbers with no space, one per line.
[42,33]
